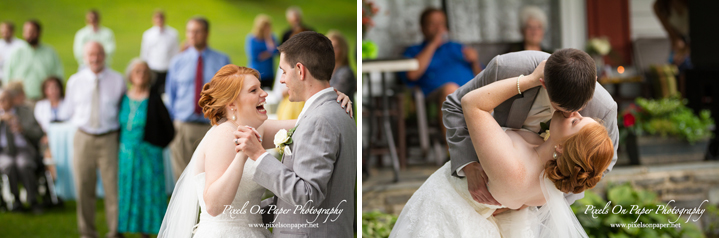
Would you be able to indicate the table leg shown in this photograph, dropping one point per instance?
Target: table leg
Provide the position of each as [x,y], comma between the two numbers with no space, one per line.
[368,150]
[388,130]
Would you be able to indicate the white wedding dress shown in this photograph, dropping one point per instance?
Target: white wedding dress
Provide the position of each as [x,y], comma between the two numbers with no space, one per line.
[443,207]
[181,217]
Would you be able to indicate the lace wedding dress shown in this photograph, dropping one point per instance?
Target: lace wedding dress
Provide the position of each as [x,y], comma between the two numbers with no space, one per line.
[443,207]
[181,217]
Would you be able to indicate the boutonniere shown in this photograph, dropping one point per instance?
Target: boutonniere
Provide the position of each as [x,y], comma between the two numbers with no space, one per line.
[544,130]
[282,139]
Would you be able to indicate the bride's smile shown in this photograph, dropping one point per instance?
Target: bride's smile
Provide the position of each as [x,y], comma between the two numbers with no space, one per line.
[251,103]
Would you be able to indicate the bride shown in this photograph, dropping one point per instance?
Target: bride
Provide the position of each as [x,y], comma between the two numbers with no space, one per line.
[523,171]
[217,178]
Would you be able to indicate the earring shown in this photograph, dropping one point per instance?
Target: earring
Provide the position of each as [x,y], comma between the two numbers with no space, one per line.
[554,155]
[233,114]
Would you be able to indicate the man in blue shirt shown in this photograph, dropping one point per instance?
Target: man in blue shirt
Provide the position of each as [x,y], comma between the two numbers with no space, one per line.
[443,65]
[188,73]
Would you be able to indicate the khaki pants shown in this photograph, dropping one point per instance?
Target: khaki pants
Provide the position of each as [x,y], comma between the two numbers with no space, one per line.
[187,138]
[91,152]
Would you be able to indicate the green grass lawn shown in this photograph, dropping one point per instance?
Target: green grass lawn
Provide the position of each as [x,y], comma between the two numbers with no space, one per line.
[55,222]
[230,22]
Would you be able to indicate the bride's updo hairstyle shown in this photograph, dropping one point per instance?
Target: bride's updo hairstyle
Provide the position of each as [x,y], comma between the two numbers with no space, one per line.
[223,89]
[584,158]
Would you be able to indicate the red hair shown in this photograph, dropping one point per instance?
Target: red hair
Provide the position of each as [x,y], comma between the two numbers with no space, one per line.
[223,89]
[585,157]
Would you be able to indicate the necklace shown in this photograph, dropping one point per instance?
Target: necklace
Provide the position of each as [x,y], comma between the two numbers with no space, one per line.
[134,105]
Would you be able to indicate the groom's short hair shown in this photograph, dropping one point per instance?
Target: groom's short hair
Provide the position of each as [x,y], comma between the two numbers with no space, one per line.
[570,77]
[313,50]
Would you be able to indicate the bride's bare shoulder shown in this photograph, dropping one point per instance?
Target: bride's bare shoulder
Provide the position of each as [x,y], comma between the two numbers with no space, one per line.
[524,136]
[219,139]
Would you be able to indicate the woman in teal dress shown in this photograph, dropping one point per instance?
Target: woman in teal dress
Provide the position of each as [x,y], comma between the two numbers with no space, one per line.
[141,194]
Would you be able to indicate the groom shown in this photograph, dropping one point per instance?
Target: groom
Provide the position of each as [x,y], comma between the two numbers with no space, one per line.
[569,85]
[315,180]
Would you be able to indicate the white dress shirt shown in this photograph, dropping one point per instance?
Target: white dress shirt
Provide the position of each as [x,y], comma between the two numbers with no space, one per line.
[308,103]
[7,48]
[159,46]
[78,97]
[541,111]
[44,114]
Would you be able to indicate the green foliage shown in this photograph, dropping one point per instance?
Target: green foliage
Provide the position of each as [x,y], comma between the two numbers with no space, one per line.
[712,228]
[369,50]
[626,196]
[666,117]
[377,224]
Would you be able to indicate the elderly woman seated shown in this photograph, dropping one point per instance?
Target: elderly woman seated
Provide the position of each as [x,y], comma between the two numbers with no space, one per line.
[533,24]
[19,133]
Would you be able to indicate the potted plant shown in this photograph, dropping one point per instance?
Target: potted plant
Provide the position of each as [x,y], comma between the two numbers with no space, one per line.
[664,130]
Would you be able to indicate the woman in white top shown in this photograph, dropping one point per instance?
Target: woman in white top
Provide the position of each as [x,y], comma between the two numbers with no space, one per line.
[49,109]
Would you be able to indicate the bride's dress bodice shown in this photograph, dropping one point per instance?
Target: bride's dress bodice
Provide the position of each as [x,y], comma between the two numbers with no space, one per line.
[233,223]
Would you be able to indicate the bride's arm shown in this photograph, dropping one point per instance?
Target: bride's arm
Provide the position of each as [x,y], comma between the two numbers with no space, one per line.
[270,127]
[223,171]
[494,148]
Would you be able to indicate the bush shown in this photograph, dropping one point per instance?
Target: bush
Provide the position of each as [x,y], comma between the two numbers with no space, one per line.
[667,116]
[377,224]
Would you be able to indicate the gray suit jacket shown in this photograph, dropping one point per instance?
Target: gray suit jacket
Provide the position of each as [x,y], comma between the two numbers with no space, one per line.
[320,173]
[31,130]
[513,112]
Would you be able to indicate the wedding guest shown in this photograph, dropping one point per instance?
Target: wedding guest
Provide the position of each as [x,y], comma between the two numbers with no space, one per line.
[33,62]
[16,89]
[294,18]
[51,107]
[343,79]
[93,100]
[674,17]
[8,43]
[533,24]
[261,49]
[94,32]
[159,45]
[145,129]
[188,72]
[17,149]
[444,65]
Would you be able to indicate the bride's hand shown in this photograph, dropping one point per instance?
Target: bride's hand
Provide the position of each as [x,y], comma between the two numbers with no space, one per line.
[346,102]
[247,140]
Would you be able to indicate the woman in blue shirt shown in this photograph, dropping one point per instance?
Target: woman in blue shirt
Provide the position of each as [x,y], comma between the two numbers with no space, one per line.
[261,48]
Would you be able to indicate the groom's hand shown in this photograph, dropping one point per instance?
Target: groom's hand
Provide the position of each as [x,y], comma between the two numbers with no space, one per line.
[477,184]
[247,141]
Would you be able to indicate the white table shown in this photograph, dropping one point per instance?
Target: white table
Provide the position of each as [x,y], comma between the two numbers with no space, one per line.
[387,66]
